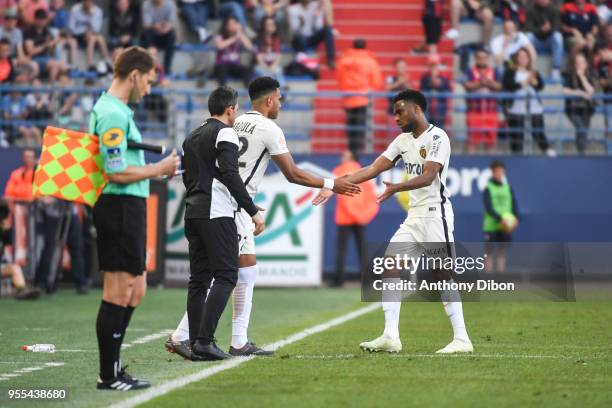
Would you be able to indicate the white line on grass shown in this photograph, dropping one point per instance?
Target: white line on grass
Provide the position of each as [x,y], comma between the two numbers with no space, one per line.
[464,355]
[19,372]
[168,386]
[146,339]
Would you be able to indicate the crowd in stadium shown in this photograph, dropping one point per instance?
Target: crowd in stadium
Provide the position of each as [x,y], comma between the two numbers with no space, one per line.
[40,41]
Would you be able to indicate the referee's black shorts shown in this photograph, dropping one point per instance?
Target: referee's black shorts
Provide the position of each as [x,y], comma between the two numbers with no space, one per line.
[121,227]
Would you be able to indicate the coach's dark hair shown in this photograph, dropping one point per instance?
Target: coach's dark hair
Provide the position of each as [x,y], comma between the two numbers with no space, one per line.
[411,95]
[220,99]
[133,58]
[262,86]
[496,164]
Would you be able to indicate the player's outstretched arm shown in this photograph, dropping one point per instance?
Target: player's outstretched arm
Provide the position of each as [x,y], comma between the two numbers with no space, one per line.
[379,165]
[430,170]
[295,175]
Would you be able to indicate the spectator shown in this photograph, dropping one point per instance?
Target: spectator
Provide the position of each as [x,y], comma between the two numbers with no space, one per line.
[155,102]
[235,8]
[398,81]
[124,24]
[60,28]
[352,216]
[604,12]
[482,119]
[269,57]
[7,71]
[508,43]
[230,42]
[40,45]
[28,9]
[579,108]
[309,26]
[433,82]
[432,26]
[476,9]
[10,31]
[7,268]
[159,22]
[86,25]
[525,82]
[67,101]
[358,72]
[38,105]
[500,210]
[5,5]
[579,22]
[543,25]
[603,63]
[514,10]
[196,14]
[15,111]
[276,9]
[19,185]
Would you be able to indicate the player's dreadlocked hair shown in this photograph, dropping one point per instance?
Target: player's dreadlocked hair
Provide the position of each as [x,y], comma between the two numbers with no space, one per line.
[414,96]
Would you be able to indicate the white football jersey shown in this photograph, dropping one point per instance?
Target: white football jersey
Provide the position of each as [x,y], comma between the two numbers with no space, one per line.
[259,139]
[431,145]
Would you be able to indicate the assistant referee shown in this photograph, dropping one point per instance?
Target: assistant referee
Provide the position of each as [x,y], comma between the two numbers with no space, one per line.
[120,213]
[215,192]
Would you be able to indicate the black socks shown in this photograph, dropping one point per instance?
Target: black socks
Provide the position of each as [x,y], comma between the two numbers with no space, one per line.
[110,329]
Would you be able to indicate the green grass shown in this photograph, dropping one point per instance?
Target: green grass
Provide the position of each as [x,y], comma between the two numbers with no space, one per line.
[527,354]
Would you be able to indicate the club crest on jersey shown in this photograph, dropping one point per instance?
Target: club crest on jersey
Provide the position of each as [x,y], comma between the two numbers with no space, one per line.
[112,137]
[423,152]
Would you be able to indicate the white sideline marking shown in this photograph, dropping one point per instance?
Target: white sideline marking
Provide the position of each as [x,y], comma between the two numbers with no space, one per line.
[464,355]
[146,339]
[19,372]
[168,386]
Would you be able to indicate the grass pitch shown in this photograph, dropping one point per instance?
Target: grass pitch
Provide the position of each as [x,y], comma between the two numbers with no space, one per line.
[530,354]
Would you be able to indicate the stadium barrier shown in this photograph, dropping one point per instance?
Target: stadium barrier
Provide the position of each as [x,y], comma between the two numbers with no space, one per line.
[315,121]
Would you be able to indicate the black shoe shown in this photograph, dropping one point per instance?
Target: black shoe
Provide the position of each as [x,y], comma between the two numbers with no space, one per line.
[140,382]
[82,290]
[122,384]
[249,349]
[182,348]
[208,352]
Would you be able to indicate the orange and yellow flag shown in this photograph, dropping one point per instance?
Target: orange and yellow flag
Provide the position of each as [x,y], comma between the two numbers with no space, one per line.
[70,167]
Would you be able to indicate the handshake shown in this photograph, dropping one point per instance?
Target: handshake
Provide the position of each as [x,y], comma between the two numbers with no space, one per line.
[340,185]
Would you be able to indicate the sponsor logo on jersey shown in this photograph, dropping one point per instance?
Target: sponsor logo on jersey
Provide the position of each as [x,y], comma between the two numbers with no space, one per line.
[414,168]
[113,137]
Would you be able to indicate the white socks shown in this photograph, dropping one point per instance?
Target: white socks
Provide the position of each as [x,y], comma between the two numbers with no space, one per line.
[182,330]
[392,313]
[242,299]
[451,300]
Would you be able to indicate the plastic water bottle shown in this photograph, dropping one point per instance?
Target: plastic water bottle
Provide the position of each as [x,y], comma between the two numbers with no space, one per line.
[40,348]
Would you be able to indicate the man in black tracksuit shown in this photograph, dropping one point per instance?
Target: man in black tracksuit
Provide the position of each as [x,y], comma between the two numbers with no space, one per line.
[215,191]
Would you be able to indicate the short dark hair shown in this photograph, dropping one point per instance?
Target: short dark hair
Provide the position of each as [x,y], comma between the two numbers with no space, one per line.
[496,164]
[262,86]
[411,95]
[220,99]
[5,41]
[133,58]
[40,14]
[359,44]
